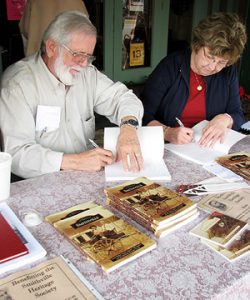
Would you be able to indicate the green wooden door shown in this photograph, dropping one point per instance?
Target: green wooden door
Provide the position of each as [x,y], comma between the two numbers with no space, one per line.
[113,39]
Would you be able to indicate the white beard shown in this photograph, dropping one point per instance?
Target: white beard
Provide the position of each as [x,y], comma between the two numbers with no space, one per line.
[63,72]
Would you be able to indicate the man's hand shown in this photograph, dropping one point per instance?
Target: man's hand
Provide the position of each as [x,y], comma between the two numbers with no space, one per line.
[92,160]
[215,130]
[129,150]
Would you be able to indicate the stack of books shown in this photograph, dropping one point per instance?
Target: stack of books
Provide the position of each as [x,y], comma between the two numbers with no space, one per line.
[228,236]
[18,247]
[102,236]
[152,205]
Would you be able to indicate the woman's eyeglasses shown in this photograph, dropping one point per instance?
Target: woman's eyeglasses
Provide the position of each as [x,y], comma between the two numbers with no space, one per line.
[212,60]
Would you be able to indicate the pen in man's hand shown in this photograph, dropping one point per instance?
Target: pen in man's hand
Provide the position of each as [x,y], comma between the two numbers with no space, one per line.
[94,144]
[179,122]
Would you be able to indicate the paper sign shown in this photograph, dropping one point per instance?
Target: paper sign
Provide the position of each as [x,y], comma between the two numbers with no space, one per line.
[136,54]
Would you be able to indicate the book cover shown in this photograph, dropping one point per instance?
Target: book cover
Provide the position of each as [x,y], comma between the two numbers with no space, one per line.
[53,279]
[70,212]
[238,247]
[105,238]
[11,244]
[35,249]
[219,228]
[151,200]
[152,148]
[203,155]
[238,163]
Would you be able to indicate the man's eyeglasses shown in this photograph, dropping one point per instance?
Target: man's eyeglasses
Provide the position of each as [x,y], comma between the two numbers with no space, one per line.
[80,56]
[212,60]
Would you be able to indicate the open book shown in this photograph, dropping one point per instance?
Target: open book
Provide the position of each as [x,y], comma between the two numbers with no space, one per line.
[152,147]
[201,155]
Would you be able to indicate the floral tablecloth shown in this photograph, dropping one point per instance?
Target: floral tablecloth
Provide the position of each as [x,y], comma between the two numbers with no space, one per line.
[181,267]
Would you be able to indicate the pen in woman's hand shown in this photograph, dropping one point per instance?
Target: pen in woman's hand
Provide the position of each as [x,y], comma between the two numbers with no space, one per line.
[182,125]
[179,122]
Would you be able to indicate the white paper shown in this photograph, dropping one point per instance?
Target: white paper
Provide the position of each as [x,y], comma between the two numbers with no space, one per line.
[246,126]
[222,172]
[47,118]
[204,155]
[152,147]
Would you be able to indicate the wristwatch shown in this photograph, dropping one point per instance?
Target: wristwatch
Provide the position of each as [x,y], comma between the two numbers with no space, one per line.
[131,122]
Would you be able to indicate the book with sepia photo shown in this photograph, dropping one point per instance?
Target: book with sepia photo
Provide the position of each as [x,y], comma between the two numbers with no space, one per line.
[238,247]
[102,236]
[238,163]
[219,229]
[150,204]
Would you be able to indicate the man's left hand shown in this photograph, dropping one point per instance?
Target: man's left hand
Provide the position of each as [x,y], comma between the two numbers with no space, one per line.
[129,150]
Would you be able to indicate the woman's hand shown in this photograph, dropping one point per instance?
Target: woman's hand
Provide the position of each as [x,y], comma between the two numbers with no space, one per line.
[178,135]
[215,130]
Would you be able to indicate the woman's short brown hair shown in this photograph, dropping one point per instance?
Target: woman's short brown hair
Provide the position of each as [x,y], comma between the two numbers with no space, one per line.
[223,34]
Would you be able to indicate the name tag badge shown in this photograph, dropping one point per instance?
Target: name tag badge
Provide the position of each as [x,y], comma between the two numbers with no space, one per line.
[47,118]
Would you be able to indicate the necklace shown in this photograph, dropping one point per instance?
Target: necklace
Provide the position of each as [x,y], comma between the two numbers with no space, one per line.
[199,86]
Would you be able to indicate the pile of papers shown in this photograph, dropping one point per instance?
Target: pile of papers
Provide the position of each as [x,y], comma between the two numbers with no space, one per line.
[154,206]
[226,235]
[103,237]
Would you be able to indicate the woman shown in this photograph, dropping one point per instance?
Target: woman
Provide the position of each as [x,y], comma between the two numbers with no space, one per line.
[199,84]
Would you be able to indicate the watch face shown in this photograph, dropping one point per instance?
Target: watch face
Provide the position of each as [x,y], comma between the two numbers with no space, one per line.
[133,122]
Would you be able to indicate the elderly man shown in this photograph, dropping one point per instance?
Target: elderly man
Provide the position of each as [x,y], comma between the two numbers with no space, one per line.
[48,101]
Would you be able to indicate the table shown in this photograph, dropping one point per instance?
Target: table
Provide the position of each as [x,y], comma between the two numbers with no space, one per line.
[181,267]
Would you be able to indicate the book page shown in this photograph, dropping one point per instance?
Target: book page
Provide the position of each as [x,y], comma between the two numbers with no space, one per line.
[204,155]
[151,140]
[52,280]
[152,169]
[231,137]
[152,147]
